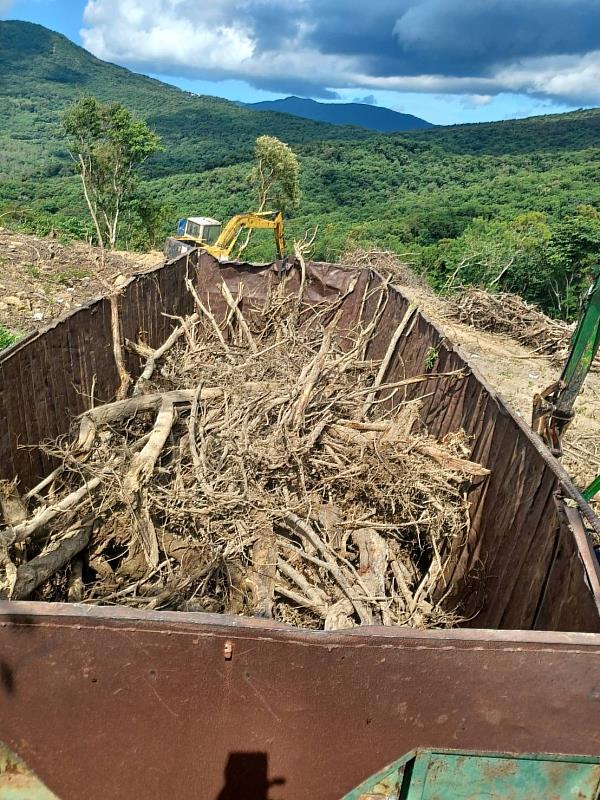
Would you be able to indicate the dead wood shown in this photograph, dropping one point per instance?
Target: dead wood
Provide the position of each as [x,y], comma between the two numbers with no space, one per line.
[263,572]
[307,383]
[160,352]
[142,465]
[76,586]
[373,564]
[37,523]
[47,481]
[146,532]
[35,572]
[400,330]
[124,409]
[12,506]
[303,529]
[235,308]
[244,477]
[504,312]
[214,324]
[117,338]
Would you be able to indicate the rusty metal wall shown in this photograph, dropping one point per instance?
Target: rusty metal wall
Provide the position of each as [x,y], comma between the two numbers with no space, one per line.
[111,703]
[527,563]
[48,377]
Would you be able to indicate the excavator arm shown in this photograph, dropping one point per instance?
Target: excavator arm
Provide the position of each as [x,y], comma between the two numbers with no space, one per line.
[264,219]
[553,408]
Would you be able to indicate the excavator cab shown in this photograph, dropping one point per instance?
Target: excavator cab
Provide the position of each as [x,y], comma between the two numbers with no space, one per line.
[192,232]
[200,229]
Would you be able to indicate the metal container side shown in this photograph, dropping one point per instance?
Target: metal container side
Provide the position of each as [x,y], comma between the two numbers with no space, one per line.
[114,703]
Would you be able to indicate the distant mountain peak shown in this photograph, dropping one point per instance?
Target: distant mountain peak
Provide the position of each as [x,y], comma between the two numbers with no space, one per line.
[363,115]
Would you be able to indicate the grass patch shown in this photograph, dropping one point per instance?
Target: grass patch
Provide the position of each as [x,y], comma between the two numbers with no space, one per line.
[67,277]
[7,337]
[33,271]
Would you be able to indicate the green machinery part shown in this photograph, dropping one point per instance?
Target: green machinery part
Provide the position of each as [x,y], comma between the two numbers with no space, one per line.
[586,343]
[553,408]
[584,347]
[592,489]
[17,781]
[456,775]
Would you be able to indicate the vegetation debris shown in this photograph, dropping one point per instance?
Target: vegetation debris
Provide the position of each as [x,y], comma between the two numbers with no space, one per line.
[262,466]
[503,312]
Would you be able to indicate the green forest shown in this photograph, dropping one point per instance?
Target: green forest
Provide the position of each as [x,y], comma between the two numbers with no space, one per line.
[512,205]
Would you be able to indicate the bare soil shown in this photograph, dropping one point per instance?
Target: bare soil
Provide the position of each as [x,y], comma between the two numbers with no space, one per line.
[42,279]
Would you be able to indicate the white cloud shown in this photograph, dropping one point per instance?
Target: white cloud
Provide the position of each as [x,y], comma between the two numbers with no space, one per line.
[5,5]
[575,78]
[162,35]
[480,99]
[176,37]
[278,45]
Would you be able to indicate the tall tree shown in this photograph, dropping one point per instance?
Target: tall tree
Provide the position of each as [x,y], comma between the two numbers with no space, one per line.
[275,176]
[274,179]
[108,143]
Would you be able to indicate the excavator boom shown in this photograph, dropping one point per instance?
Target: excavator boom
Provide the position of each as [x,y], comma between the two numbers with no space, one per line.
[584,348]
[553,408]
[272,220]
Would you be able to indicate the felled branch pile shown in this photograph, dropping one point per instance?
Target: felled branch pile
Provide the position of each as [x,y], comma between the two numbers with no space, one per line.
[387,263]
[253,470]
[508,313]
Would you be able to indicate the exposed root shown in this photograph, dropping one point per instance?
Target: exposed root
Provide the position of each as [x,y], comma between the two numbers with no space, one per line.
[257,470]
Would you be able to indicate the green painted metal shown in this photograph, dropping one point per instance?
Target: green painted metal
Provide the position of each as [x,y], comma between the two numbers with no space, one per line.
[17,781]
[445,774]
[592,490]
[584,347]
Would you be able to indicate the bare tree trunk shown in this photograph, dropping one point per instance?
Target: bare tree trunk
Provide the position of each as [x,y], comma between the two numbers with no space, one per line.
[113,226]
[83,173]
[263,193]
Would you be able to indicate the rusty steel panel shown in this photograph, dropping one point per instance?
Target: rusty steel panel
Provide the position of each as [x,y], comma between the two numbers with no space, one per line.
[526,563]
[112,703]
[48,376]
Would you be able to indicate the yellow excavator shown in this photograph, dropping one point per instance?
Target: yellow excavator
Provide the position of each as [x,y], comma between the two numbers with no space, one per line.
[218,240]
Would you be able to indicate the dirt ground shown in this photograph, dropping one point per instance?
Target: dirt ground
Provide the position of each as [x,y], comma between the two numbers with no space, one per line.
[517,374]
[41,279]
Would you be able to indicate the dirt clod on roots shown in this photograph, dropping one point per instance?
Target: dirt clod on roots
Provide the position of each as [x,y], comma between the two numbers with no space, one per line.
[253,470]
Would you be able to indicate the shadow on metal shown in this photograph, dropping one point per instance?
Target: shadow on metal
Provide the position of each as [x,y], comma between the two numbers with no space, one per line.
[247,778]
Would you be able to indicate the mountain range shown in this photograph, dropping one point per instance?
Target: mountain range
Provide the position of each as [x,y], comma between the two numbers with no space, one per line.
[42,72]
[364,115]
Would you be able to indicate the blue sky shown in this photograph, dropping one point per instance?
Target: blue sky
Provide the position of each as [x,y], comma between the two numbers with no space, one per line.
[447,61]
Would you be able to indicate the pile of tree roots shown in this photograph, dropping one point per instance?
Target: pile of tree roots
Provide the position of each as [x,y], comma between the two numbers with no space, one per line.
[387,263]
[256,467]
[503,312]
